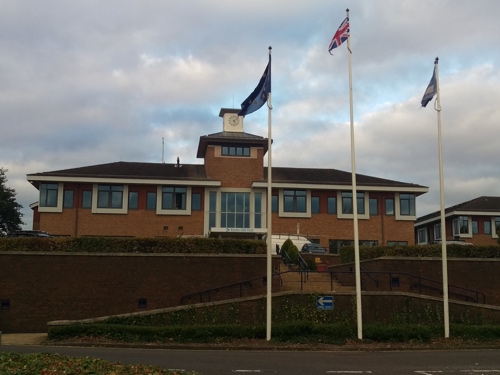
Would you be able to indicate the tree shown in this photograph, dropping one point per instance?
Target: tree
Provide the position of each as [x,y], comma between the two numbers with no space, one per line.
[10,210]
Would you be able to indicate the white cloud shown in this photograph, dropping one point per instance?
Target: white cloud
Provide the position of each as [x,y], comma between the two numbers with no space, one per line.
[99,82]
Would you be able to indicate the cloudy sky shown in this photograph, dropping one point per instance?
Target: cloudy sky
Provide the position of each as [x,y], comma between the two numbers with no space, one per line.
[91,82]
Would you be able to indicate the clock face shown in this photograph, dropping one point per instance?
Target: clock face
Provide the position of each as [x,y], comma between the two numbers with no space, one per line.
[234,120]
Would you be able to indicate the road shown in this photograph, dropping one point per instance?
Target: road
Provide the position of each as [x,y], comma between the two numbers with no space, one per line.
[225,362]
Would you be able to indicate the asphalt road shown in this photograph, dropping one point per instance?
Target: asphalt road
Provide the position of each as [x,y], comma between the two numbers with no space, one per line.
[225,362]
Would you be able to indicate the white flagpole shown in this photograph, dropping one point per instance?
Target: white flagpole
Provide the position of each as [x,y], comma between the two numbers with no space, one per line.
[354,194]
[269,215]
[437,107]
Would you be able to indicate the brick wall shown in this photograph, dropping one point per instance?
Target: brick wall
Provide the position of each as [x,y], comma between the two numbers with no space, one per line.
[45,287]
[473,274]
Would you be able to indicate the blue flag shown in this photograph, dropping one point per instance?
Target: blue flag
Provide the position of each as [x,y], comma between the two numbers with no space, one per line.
[259,96]
[431,89]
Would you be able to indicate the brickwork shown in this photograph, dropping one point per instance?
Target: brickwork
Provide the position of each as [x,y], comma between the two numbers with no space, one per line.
[234,172]
[45,287]
[473,274]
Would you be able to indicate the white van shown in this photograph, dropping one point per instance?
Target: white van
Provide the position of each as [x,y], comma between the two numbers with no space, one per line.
[279,239]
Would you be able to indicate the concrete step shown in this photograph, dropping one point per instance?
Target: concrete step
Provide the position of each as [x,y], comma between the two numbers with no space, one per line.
[310,281]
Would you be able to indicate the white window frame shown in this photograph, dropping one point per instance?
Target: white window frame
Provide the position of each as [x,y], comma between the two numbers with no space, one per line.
[60,197]
[118,211]
[469,227]
[159,198]
[341,215]
[263,209]
[283,213]
[419,232]
[397,209]
[493,227]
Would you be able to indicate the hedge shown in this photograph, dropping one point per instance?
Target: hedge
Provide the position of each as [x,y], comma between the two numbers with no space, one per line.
[433,251]
[133,245]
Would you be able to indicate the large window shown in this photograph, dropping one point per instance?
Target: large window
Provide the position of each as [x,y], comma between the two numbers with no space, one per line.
[347,203]
[294,200]
[461,225]
[173,198]
[109,196]
[48,195]
[407,204]
[235,210]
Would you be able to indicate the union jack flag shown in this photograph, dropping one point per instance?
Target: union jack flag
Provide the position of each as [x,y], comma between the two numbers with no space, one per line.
[340,36]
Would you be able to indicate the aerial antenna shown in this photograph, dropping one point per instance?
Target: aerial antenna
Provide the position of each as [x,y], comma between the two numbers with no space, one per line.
[163,150]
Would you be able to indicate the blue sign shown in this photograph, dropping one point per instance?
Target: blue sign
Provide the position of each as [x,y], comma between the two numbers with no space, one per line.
[324,303]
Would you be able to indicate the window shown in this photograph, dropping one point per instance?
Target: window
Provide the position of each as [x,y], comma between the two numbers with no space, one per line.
[48,195]
[487,227]
[347,203]
[422,235]
[274,203]
[461,225]
[497,224]
[87,199]
[389,207]
[407,204]
[437,231]
[235,210]
[315,205]
[68,199]
[258,210]
[331,205]
[109,196]
[475,227]
[373,206]
[212,215]
[196,201]
[173,198]
[133,200]
[235,151]
[294,200]
[151,200]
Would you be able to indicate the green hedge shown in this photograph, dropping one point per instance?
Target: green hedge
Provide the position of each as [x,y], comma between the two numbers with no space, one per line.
[134,245]
[296,332]
[435,251]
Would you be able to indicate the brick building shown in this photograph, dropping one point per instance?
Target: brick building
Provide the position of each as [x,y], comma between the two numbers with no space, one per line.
[476,221]
[224,196]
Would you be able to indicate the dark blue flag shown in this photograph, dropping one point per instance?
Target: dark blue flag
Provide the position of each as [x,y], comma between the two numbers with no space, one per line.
[259,96]
[431,89]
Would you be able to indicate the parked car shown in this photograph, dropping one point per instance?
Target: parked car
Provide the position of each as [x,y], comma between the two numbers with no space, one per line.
[28,233]
[313,248]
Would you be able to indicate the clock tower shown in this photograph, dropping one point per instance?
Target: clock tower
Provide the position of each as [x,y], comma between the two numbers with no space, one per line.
[232,122]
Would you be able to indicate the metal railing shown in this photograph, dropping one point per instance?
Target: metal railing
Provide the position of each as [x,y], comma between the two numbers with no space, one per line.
[415,282]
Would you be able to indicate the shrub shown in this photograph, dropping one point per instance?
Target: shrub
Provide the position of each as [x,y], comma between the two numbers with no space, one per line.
[293,254]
